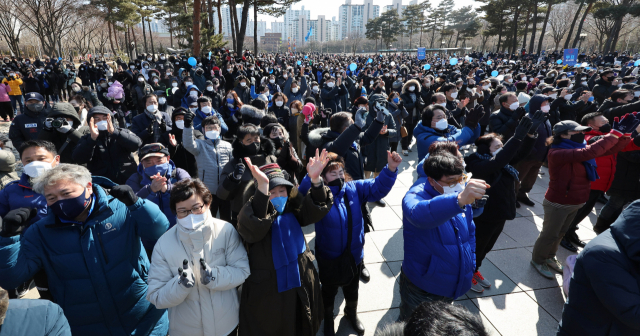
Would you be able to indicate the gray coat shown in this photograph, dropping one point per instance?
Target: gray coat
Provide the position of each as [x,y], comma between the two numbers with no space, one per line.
[211,157]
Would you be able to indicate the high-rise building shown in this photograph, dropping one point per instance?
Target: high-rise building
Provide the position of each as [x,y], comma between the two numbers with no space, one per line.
[226,19]
[262,29]
[277,27]
[291,22]
[320,29]
[353,18]
[333,29]
[397,6]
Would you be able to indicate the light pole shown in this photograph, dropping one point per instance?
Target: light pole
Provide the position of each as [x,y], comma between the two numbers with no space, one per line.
[344,44]
[583,36]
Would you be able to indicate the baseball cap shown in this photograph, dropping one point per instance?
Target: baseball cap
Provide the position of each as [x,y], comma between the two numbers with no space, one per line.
[34,96]
[569,125]
[152,149]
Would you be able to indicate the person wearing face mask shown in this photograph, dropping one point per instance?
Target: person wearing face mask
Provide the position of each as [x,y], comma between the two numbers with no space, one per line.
[457,108]
[508,83]
[199,78]
[138,93]
[6,110]
[243,89]
[285,152]
[295,90]
[83,74]
[235,179]
[106,149]
[209,278]
[605,86]
[572,168]
[331,94]
[397,109]
[173,141]
[343,219]
[213,92]
[505,120]
[154,180]
[493,162]
[203,110]
[155,82]
[619,104]
[280,109]
[413,103]
[271,223]
[61,129]
[102,91]
[14,81]
[152,123]
[86,93]
[27,125]
[435,127]
[435,213]
[106,219]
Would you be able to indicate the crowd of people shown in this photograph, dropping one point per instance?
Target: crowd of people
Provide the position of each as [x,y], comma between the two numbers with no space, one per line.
[178,187]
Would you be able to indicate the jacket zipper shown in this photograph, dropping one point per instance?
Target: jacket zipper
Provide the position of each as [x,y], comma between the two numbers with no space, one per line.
[104,253]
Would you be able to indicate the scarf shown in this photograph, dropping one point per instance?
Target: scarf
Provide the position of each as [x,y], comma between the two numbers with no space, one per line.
[156,119]
[509,168]
[287,243]
[589,165]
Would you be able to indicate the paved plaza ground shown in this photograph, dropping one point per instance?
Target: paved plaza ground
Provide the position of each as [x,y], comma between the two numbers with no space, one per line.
[520,302]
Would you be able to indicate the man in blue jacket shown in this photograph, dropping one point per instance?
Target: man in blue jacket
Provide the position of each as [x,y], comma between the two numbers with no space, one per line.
[439,234]
[205,109]
[89,246]
[31,318]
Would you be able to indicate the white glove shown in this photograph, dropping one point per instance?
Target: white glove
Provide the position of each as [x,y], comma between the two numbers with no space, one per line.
[360,117]
[64,128]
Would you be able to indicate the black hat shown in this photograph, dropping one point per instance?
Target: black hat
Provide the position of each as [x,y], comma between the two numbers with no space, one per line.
[152,149]
[569,125]
[276,176]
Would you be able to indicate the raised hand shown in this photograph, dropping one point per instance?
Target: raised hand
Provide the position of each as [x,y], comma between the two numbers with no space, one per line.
[187,280]
[124,194]
[474,190]
[316,165]
[172,140]
[393,160]
[259,176]
[523,128]
[93,128]
[625,125]
[538,118]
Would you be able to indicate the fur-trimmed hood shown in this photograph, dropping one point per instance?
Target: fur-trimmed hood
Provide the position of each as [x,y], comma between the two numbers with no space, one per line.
[251,112]
[409,83]
[316,136]
[266,147]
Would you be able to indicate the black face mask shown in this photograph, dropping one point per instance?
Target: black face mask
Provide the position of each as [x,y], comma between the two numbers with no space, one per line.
[77,108]
[277,142]
[339,182]
[606,128]
[579,138]
[252,149]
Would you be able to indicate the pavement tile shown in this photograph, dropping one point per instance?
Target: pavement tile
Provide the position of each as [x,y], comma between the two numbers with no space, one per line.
[491,330]
[517,314]
[505,242]
[385,218]
[371,252]
[500,282]
[395,196]
[515,263]
[372,321]
[389,243]
[381,292]
[522,230]
[551,299]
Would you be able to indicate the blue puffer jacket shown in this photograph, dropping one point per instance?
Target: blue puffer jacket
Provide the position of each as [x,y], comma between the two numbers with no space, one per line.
[18,194]
[200,116]
[331,231]
[439,241]
[425,136]
[34,317]
[183,101]
[97,271]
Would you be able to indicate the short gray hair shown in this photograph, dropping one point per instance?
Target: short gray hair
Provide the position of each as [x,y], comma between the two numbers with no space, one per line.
[64,171]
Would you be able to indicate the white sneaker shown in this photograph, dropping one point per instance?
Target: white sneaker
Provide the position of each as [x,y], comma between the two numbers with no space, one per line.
[405,153]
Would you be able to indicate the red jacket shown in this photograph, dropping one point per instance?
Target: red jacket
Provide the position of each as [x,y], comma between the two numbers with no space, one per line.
[568,182]
[607,163]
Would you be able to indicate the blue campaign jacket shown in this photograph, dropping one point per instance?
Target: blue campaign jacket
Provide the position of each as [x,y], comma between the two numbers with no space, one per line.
[18,194]
[200,116]
[425,136]
[97,271]
[183,101]
[34,317]
[439,241]
[331,231]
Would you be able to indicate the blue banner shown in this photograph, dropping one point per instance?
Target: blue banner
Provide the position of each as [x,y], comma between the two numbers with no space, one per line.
[309,34]
[422,53]
[570,57]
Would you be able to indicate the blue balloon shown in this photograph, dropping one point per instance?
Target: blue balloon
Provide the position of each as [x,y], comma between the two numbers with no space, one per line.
[192,61]
[636,63]
[559,61]
[305,56]
[353,67]
[299,62]
[453,61]
[427,66]
[494,73]
[489,62]
[370,61]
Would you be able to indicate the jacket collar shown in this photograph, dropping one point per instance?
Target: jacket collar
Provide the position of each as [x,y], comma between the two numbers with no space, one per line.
[25,181]
[101,210]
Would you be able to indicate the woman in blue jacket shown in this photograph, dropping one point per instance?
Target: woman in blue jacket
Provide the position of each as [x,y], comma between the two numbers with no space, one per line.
[331,231]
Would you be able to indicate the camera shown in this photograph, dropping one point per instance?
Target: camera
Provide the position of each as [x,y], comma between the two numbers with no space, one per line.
[57,122]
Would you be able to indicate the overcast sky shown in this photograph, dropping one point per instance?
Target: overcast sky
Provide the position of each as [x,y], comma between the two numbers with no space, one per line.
[329,8]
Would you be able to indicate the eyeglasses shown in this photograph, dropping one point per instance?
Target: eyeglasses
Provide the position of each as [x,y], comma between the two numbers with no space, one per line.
[196,209]
[462,178]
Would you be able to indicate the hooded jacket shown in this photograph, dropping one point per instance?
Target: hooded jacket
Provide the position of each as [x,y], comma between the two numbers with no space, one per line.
[425,136]
[210,309]
[64,142]
[251,114]
[140,126]
[27,125]
[100,285]
[183,100]
[604,294]
[412,101]
[138,92]
[211,157]
[179,154]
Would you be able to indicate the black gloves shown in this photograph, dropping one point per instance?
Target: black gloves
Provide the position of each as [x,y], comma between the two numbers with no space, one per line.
[523,128]
[150,128]
[186,275]
[188,119]
[237,172]
[474,117]
[124,194]
[538,118]
[479,203]
[16,221]
[518,113]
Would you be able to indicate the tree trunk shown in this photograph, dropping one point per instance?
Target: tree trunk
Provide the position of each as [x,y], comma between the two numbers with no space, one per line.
[197,6]
[135,41]
[219,17]
[534,27]
[153,49]
[234,35]
[526,29]
[514,43]
[113,50]
[584,18]
[544,26]
[573,23]
[210,17]
[499,34]
[144,35]
[126,41]
[255,27]
[433,34]
[243,26]
[170,29]
[613,37]
[457,39]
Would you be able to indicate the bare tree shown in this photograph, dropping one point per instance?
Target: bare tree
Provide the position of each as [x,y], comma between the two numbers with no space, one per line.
[559,22]
[355,38]
[10,27]
[81,35]
[50,20]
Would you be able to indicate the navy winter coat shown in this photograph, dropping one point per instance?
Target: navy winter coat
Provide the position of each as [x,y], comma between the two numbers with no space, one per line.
[18,194]
[97,271]
[331,231]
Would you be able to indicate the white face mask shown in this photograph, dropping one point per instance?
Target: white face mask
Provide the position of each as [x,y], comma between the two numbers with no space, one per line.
[514,106]
[152,108]
[442,124]
[206,109]
[36,168]
[443,104]
[179,124]
[496,152]
[243,84]
[485,87]
[193,221]
[272,81]
[193,109]
[162,101]
[174,84]
[187,84]
[193,93]
[554,96]
[140,79]
[279,103]
[636,93]
[412,88]
[510,80]
[213,135]
[331,84]
[454,95]
[448,190]
[102,125]
[568,97]
[209,88]
[531,79]
[315,88]
[294,90]
[545,108]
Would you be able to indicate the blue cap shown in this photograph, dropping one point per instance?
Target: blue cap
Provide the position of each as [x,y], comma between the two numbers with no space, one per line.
[33,95]
[191,100]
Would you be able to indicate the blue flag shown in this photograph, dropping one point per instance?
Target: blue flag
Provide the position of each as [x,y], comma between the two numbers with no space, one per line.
[309,33]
